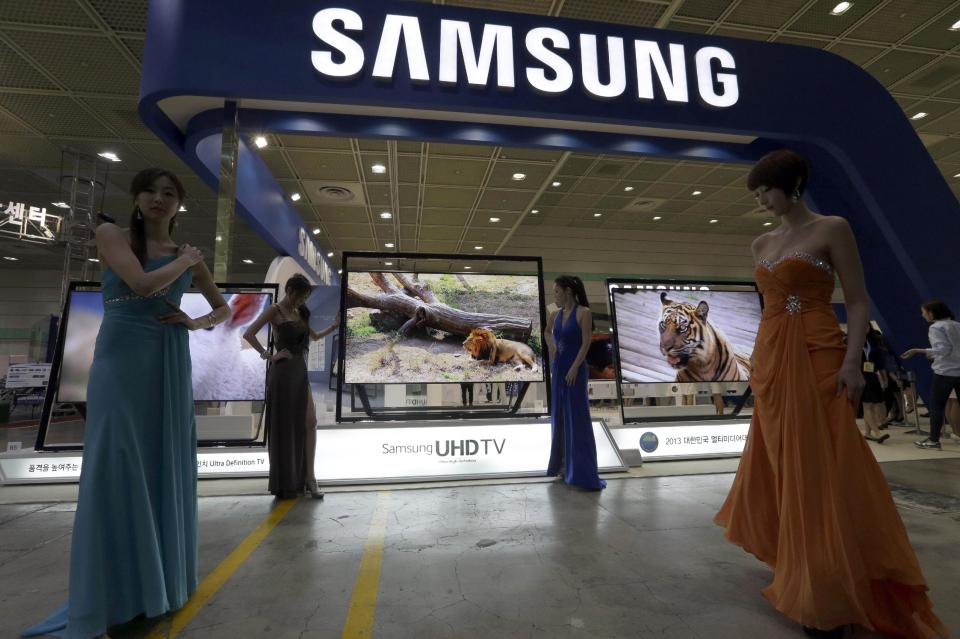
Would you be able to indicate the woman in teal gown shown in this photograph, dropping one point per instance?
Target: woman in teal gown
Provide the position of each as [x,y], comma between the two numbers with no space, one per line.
[573,451]
[134,545]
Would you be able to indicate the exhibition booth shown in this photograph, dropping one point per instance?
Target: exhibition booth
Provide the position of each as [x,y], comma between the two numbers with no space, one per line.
[407,384]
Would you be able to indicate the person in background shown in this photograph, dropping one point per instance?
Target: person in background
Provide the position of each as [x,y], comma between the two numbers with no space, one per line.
[875,383]
[573,451]
[290,415]
[134,546]
[944,354]
[809,498]
[466,394]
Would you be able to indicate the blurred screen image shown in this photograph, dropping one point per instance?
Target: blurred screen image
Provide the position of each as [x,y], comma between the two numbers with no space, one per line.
[225,367]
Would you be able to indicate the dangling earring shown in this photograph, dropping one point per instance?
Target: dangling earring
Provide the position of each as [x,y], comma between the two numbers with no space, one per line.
[139,213]
[796,196]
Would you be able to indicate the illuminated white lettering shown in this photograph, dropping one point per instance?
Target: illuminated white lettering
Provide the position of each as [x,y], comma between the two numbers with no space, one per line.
[705,77]
[456,43]
[673,81]
[351,50]
[409,28]
[591,71]
[562,71]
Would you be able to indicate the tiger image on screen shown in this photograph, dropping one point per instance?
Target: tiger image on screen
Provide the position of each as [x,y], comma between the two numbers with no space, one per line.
[695,348]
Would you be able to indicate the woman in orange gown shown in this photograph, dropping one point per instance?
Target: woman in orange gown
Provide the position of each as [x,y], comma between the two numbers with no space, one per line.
[809,498]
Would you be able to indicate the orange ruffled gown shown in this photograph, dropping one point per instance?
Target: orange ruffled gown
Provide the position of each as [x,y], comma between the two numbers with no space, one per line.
[809,498]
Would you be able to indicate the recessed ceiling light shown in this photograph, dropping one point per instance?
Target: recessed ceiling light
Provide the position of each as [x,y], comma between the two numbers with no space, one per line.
[219,238]
[339,271]
[247,261]
[919,115]
[378,168]
[841,8]
[957,175]
[295,197]
[478,248]
[316,231]
[260,141]
[955,26]
[534,211]
[388,263]
[768,223]
[556,184]
[61,205]
[519,177]
[494,219]
[386,215]
[628,188]
[656,218]
[109,155]
[330,254]
[389,244]
[466,268]
[182,209]
[697,193]
[714,221]
[11,259]
[598,215]
[92,259]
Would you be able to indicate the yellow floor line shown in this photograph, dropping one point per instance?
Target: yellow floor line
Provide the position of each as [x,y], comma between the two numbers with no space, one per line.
[363,602]
[215,580]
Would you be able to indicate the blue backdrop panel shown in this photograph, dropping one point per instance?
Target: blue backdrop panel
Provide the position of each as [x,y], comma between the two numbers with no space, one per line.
[868,163]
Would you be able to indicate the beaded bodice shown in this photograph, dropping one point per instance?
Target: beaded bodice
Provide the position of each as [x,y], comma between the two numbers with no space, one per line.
[819,262]
[795,283]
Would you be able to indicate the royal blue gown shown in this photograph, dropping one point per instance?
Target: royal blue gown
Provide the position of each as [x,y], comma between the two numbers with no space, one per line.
[134,546]
[573,446]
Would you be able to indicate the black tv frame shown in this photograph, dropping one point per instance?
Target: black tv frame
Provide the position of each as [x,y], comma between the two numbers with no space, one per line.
[677,284]
[53,385]
[436,413]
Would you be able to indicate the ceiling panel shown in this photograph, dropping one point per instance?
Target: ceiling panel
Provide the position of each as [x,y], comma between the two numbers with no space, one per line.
[79,89]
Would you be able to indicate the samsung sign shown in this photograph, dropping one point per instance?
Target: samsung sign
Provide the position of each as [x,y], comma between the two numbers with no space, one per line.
[607,68]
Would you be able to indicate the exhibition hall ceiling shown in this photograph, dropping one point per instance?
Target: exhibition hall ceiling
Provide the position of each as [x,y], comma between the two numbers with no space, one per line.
[69,78]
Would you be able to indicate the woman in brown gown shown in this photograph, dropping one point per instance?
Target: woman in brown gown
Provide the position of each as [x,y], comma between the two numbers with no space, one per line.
[290,416]
[809,498]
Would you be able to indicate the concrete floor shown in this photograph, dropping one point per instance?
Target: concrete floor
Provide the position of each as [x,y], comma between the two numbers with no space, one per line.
[526,559]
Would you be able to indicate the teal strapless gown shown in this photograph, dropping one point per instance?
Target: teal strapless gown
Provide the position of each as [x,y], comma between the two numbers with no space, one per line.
[134,547]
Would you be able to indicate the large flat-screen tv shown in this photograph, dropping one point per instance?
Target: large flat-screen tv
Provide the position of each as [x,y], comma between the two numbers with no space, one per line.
[225,367]
[690,332]
[442,328]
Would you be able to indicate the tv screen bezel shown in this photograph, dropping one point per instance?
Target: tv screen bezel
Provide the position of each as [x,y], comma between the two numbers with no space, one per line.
[370,255]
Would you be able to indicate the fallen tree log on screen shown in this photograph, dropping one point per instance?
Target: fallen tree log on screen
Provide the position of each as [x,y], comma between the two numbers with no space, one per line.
[419,307]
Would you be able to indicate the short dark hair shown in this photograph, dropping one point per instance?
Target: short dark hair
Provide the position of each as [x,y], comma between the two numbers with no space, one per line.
[782,169]
[938,310]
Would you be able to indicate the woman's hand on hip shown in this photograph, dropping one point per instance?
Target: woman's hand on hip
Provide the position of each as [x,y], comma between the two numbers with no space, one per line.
[176,316]
[281,355]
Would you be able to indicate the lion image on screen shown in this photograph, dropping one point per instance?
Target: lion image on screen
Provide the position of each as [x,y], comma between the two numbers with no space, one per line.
[482,344]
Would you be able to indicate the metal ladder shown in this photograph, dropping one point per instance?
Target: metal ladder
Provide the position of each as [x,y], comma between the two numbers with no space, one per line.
[83,179]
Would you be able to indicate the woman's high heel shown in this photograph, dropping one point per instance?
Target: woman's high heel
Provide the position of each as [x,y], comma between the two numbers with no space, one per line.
[310,487]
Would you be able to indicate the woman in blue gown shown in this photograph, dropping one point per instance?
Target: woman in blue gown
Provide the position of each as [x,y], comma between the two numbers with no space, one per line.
[134,545]
[573,451]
